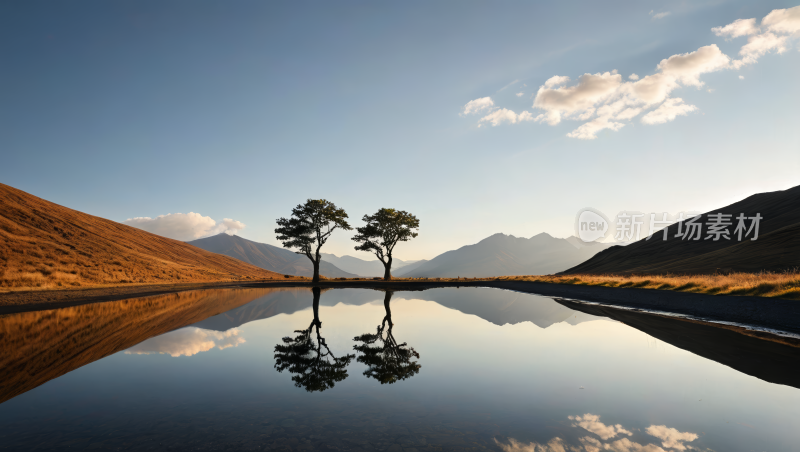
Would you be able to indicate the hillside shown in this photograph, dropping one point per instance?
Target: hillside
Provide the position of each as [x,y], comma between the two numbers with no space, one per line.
[266,256]
[363,267]
[45,245]
[506,255]
[777,247]
[402,271]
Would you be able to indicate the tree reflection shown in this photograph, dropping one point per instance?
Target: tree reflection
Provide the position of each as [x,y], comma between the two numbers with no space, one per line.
[387,361]
[314,365]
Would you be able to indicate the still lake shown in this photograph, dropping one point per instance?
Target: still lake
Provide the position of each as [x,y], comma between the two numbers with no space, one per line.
[441,369]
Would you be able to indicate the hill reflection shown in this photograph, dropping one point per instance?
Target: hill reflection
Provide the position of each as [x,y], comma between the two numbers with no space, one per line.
[43,345]
[770,360]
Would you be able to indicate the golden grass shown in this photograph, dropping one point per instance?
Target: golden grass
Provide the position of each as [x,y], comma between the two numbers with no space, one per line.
[763,284]
[46,246]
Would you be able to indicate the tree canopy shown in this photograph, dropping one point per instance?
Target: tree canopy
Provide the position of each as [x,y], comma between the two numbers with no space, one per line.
[383,231]
[309,227]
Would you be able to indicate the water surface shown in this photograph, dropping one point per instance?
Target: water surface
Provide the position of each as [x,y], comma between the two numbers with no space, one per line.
[442,369]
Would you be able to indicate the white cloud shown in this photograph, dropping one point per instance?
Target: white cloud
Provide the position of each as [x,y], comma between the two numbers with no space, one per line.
[478,105]
[591,422]
[668,111]
[657,16]
[612,100]
[670,437]
[741,77]
[520,94]
[505,115]
[777,27]
[187,342]
[629,113]
[687,68]
[739,27]
[588,131]
[577,99]
[603,100]
[759,45]
[185,226]
[556,80]
[783,20]
[653,88]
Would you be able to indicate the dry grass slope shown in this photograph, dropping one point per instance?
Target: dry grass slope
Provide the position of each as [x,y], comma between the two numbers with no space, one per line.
[47,246]
[763,284]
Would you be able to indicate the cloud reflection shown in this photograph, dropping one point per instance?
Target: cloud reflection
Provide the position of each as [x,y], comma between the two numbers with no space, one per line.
[592,423]
[671,439]
[187,342]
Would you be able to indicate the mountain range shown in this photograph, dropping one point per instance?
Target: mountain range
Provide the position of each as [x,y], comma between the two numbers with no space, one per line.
[363,267]
[285,261]
[269,257]
[496,306]
[777,247]
[506,255]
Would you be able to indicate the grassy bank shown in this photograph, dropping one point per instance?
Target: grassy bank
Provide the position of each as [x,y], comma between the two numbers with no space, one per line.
[777,285]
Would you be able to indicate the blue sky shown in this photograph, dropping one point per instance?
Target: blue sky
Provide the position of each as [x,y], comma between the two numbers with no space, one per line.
[241,110]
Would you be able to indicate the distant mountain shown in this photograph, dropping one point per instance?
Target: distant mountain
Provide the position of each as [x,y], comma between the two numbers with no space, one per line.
[777,247]
[266,256]
[506,255]
[48,246]
[503,306]
[402,271]
[363,267]
[496,306]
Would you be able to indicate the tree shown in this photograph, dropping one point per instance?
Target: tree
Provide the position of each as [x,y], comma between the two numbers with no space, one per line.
[388,362]
[314,366]
[383,231]
[309,228]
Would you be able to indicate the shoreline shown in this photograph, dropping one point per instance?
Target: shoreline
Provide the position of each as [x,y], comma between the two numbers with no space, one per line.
[772,313]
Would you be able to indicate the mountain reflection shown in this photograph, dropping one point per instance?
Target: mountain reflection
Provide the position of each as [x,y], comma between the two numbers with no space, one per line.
[314,366]
[387,361]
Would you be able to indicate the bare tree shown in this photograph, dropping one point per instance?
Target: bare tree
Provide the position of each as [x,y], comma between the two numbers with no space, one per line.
[383,231]
[309,227]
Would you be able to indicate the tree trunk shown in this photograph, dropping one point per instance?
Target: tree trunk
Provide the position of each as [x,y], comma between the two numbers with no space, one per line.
[387,275]
[316,291]
[386,299]
[315,279]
